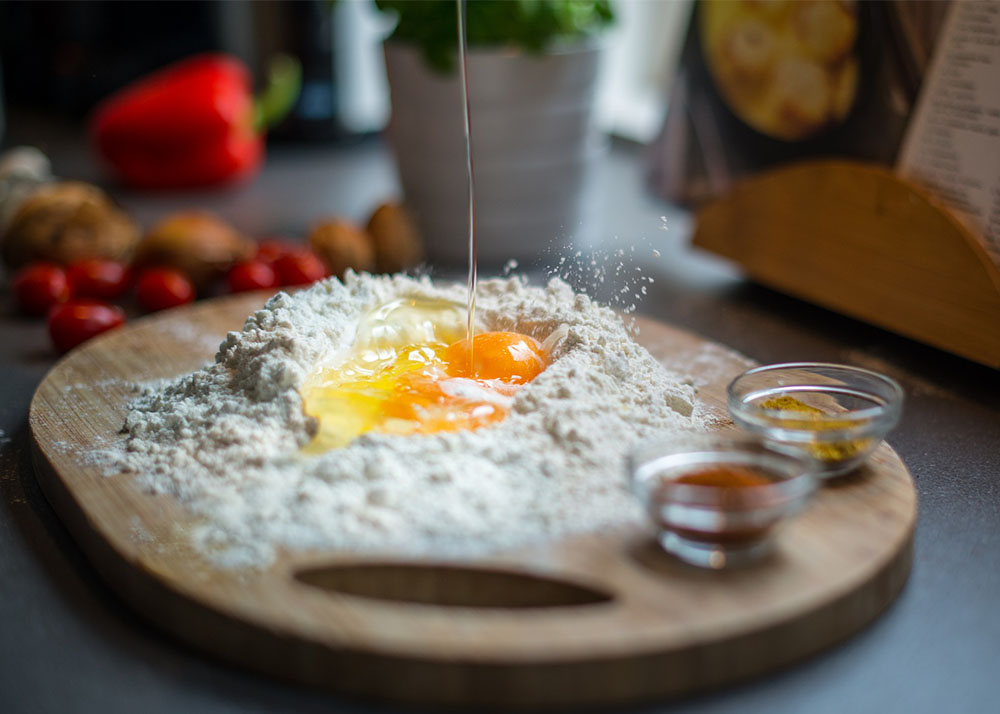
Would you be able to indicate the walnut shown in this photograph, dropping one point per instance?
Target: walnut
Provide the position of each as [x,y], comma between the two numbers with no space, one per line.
[68,221]
[342,245]
[397,240]
[197,243]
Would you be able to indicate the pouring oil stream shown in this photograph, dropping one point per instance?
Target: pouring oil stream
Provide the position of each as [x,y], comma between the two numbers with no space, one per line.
[467,116]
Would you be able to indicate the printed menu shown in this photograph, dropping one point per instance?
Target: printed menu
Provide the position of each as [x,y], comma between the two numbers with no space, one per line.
[952,145]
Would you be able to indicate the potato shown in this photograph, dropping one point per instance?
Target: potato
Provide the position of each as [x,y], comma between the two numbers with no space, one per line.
[68,221]
[342,245]
[197,243]
[398,245]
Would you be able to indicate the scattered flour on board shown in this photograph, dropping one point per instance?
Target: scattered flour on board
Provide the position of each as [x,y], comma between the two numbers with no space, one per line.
[225,440]
[713,362]
[190,334]
[96,384]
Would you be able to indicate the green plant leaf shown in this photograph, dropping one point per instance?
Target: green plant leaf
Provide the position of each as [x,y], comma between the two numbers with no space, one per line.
[284,82]
[531,25]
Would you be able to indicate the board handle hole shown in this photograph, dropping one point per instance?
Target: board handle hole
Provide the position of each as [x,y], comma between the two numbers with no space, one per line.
[450,586]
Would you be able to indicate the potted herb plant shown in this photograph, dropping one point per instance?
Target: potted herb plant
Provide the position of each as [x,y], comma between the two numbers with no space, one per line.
[532,68]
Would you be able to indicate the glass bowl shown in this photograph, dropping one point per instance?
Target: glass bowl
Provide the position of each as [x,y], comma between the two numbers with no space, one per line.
[712,520]
[835,414]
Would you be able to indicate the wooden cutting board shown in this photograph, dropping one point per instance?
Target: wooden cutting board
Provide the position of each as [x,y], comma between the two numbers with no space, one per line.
[597,619]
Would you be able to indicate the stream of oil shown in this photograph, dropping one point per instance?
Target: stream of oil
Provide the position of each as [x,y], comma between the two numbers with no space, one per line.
[467,117]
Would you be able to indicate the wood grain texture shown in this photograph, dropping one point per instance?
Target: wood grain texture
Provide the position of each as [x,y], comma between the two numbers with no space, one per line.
[859,240]
[595,619]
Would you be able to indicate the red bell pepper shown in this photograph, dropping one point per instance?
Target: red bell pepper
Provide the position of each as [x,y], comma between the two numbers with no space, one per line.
[193,123]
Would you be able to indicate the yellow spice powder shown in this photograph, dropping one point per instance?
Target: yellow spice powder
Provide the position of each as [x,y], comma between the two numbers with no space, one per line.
[830,451]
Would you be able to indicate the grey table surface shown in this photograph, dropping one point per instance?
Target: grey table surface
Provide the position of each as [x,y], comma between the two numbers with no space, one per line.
[68,643]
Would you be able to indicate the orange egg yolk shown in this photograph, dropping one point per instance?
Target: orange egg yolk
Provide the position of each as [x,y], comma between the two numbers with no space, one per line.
[429,387]
[508,356]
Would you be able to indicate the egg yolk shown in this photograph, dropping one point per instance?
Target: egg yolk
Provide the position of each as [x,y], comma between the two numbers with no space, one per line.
[508,356]
[435,385]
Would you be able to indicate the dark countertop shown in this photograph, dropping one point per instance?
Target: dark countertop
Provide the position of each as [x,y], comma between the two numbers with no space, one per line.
[68,643]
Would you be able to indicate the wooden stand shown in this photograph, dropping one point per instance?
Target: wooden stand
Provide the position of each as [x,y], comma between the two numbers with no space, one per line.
[859,240]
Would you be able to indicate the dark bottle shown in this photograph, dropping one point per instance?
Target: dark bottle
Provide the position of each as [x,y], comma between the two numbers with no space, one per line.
[303,29]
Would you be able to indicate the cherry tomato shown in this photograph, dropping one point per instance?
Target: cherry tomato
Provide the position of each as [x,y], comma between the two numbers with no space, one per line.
[301,267]
[270,250]
[39,286]
[77,321]
[251,275]
[96,278]
[162,288]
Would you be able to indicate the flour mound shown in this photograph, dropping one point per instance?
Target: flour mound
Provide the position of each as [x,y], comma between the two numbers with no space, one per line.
[225,441]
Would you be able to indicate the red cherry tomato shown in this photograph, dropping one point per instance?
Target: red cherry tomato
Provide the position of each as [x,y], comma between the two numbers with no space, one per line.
[270,250]
[96,278]
[252,275]
[300,268]
[39,286]
[77,321]
[162,288]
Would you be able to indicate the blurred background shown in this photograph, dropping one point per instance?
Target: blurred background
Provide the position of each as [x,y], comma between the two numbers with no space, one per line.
[63,57]
[207,137]
[549,87]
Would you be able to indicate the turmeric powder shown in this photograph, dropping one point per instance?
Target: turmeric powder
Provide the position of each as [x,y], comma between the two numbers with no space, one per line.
[815,419]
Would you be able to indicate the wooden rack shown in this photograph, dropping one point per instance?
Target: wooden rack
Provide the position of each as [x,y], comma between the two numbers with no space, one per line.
[859,240]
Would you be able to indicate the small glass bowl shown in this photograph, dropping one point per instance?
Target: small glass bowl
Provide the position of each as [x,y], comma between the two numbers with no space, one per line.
[835,414]
[715,526]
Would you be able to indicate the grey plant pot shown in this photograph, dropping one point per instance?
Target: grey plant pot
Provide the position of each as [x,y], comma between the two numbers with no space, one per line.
[534,144]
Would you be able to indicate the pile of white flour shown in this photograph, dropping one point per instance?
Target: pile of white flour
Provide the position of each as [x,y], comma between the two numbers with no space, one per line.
[225,441]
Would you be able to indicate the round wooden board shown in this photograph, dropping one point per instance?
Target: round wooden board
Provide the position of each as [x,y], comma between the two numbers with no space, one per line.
[598,619]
